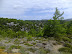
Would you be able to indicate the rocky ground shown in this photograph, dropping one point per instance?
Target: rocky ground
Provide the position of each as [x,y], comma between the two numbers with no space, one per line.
[32,45]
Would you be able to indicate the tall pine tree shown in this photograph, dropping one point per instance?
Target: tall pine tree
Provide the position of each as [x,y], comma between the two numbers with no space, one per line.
[54,28]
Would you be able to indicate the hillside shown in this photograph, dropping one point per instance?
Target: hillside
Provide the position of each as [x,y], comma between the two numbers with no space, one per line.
[52,36]
[69,19]
[17,35]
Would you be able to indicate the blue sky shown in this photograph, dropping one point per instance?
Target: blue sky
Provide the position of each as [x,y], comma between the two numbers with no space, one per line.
[34,9]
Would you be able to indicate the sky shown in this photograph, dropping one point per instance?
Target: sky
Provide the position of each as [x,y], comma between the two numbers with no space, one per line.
[34,9]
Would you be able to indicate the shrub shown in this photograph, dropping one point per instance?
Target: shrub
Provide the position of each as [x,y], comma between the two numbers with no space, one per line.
[2,47]
[68,45]
[42,51]
[65,49]
[16,41]
[28,44]
[66,39]
[22,50]
[15,47]
[32,50]
[32,32]
[29,38]
[65,53]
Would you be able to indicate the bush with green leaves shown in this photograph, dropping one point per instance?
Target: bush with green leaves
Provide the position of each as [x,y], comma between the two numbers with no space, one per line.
[28,44]
[23,50]
[65,53]
[42,51]
[29,38]
[66,39]
[53,28]
[16,41]
[68,45]
[65,49]
[2,47]
[32,32]
[15,47]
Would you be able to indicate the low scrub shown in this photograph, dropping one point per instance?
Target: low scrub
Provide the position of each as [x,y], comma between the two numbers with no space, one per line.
[2,47]
[65,49]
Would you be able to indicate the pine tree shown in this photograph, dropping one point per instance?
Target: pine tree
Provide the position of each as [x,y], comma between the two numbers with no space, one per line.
[54,28]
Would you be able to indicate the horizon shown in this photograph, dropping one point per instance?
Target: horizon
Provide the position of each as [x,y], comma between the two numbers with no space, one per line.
[34,9]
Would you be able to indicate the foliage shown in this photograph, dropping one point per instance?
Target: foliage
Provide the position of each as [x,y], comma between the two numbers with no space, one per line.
[65,53]
[68,45]
[28,44]
[15,47]
[54,28]
[41,51]
[66,39]
[2,47]
[32,32]
[29,38]
[65,49]
[22,50]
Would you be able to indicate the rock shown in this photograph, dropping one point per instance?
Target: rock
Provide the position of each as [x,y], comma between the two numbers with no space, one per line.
[35,48]
[29,52]
[37,52]
[21,42]
[39,45]
[15,50]
[22,45]
[62,42]
[44,43]
[38,41]
[31,42]
[25,39]
[40,51]
[1,44]
[48,47]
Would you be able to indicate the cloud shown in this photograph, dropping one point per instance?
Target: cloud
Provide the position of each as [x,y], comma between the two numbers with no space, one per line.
[35,8]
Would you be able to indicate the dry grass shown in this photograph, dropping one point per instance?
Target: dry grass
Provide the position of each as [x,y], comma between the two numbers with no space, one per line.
[1,52]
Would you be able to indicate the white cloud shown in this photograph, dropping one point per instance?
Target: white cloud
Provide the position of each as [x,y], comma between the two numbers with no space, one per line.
[18,7]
